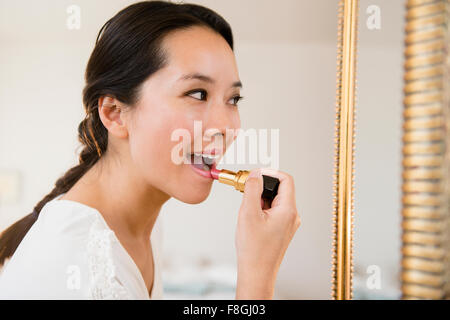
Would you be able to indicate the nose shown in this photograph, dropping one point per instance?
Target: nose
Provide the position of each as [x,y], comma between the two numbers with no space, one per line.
[220,121]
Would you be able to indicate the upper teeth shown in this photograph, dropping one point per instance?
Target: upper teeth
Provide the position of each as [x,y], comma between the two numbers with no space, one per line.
[209,156]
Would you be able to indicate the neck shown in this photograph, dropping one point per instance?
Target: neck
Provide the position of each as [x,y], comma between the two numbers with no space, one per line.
[128,204]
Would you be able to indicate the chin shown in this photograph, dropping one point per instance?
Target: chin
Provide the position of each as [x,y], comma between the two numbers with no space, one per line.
[193,196]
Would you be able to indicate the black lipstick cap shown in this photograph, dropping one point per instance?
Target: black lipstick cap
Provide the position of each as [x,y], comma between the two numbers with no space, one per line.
[270,189]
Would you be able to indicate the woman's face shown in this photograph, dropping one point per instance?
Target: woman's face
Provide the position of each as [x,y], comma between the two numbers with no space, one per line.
[169,105]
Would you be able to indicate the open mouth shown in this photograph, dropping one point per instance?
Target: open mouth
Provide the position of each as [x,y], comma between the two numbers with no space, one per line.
[202,161]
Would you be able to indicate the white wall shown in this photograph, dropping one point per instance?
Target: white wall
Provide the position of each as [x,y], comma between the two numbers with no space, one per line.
[286,54]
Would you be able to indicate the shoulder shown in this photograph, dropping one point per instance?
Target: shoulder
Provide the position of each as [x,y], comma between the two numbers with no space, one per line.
[67,254]
[66,219]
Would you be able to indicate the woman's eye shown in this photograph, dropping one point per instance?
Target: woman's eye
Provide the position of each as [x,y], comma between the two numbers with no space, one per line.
[198,94]
[236,100]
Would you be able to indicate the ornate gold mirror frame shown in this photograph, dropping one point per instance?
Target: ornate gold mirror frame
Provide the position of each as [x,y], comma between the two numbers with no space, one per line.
[342,266]
[425,267]
[425,195]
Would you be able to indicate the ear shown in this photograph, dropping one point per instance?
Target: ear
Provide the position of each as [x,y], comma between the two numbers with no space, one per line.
[111,115]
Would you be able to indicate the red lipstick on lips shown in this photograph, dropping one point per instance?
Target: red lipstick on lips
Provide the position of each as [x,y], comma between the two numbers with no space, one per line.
[204,165]
[215,173]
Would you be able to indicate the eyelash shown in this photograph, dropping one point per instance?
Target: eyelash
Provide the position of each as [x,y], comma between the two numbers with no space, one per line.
[238,97]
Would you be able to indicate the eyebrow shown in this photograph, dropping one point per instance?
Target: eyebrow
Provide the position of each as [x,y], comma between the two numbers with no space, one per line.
[202,77]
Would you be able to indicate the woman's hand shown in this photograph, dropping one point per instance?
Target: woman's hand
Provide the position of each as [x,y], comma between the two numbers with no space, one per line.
[263,234]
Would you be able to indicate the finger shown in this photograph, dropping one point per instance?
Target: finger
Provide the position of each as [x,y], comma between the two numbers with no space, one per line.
[253,190]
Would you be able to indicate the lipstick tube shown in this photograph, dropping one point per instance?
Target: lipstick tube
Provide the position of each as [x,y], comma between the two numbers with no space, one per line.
[238,179]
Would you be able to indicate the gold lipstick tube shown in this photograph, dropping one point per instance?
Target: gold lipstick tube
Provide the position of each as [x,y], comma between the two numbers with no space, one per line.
[238,179]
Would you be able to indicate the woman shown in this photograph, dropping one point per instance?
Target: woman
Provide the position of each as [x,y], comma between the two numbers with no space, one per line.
[156,67]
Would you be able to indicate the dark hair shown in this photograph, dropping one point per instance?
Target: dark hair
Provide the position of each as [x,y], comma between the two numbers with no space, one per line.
[127,51]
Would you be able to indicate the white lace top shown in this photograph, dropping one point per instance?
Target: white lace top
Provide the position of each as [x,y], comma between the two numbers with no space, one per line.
[71,253]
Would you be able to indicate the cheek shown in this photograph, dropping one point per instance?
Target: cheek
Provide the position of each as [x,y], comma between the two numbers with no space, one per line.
[235,127]
[150,140]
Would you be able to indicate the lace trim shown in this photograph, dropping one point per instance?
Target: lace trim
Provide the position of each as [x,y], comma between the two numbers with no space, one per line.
[104,283]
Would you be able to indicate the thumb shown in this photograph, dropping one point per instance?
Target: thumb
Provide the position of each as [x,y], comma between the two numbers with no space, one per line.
[253,190]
